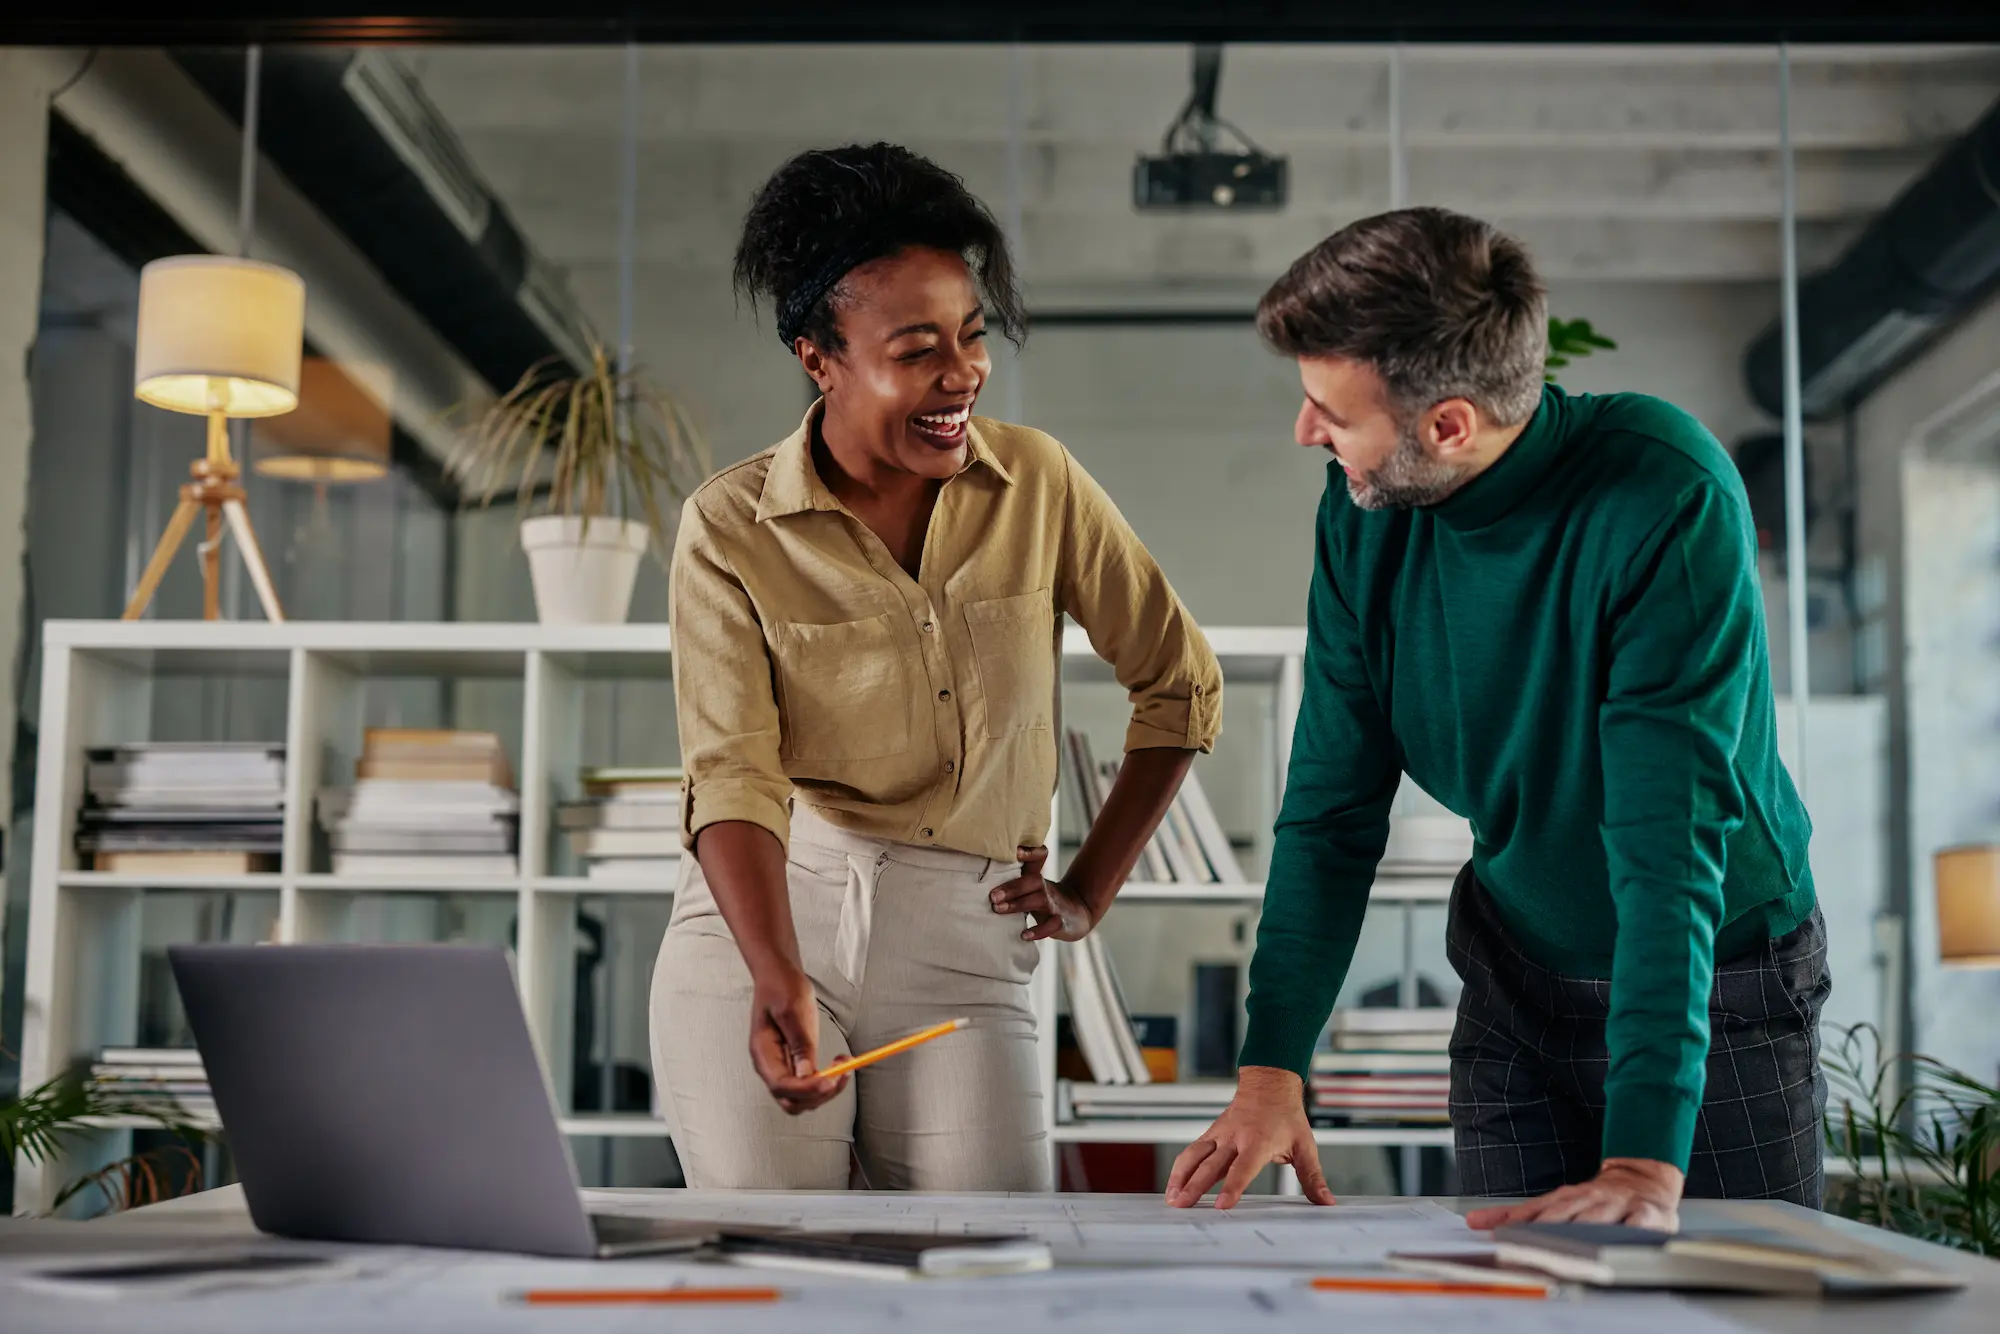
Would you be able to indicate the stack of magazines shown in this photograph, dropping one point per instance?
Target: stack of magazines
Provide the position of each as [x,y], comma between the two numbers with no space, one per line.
[183,808]
[1385,1066]
[162,1081]
[1189,847]
[627,825]
[425,802]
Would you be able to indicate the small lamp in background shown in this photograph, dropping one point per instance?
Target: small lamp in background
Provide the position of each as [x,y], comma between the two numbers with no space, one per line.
[218,337]
[1968,905]
[340,432]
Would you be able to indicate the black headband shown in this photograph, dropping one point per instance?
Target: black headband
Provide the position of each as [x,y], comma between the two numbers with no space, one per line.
[798,303]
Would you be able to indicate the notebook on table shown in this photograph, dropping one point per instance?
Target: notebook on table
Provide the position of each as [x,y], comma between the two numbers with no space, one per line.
[894,1255]
[1747,1259]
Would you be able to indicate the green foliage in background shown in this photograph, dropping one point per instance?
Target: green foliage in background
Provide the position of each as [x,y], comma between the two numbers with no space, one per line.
[1922,1141]
[1570,339]
[36,1125]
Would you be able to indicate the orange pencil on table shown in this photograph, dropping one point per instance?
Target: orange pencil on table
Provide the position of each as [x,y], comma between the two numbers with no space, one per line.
[644,1296]
[1432,1287]
[891,1048]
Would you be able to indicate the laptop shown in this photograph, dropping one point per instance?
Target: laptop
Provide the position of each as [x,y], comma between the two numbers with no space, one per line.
[390,1094]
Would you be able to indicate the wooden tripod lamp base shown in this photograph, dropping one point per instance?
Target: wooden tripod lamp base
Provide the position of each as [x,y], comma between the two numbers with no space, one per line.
[213,490]
[219,337]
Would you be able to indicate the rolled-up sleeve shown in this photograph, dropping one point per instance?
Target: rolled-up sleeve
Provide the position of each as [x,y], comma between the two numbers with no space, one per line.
[1117,592]
[727,707]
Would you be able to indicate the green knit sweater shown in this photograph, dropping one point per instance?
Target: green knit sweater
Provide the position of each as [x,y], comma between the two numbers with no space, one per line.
[1569,652]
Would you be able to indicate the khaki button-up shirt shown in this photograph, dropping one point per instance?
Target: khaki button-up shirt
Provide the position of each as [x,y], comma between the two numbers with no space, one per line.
[920,710]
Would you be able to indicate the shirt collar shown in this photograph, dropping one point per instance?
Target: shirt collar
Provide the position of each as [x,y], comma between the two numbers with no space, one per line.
[1516,474]
[793,485]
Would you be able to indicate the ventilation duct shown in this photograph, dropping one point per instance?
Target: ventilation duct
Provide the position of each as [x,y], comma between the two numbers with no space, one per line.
[354,132]
[1927,260]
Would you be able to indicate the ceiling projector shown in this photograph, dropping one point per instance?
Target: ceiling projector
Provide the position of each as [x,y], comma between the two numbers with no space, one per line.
[1191,171]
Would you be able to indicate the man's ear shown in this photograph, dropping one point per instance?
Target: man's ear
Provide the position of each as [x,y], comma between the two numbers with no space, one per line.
[816,363]
[1450,427]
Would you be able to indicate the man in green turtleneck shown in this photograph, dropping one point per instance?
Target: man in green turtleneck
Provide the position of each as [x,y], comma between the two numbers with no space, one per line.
[1544,608]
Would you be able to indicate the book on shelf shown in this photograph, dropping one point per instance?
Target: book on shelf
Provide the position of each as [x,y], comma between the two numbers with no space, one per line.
[380,864]
[185,863]
[1202,1100]
[633,780]
[162,1081]
[1188,847]
[1434,1062]
[1098,1013]
[591,844]
[433,755]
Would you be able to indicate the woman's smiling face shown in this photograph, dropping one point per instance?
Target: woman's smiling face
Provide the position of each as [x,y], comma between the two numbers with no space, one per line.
[913,359]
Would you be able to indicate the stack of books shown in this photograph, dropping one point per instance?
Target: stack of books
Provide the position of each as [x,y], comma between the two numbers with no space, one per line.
[1189,847]
[165,1081]
[1099,1015]
[1196,1100]
[183,808]
[425,802]
[627,826]
[1386,1066]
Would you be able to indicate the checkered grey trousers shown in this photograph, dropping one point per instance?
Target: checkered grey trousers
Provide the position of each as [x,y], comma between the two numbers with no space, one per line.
[1528,1062]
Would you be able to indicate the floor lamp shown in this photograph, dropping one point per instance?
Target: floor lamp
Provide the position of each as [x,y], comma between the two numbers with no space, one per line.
[218,337]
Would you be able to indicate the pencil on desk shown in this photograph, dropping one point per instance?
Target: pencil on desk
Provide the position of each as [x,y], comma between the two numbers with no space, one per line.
[1433,1287]
[891,1048]
[645,1296]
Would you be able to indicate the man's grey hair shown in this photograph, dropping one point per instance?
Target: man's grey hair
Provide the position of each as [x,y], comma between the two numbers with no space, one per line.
[1441,305]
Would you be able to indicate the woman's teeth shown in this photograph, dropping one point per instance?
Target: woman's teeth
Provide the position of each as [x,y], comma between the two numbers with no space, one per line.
[944,425]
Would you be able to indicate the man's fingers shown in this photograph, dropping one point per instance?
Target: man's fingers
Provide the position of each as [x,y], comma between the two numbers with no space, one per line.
[1242,1172]
[1190,1158]
[1312,1180]
[1206,1174]
[1609,1209]
[1500,1215]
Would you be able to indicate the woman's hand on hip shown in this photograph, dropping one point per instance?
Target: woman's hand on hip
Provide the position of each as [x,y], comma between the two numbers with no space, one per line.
[784,1041]
[1057,911]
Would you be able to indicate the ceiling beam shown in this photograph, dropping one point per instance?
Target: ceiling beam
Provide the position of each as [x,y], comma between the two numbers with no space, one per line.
[101,22]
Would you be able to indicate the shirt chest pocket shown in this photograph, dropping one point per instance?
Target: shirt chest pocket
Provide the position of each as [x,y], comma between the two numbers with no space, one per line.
[842,690]
[1013,646]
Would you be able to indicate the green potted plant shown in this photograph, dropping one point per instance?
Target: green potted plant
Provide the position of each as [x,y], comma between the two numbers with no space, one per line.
[36,1125]
[595,459]
[1922,1148]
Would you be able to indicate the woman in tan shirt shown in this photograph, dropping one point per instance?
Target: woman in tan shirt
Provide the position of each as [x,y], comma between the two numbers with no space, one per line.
[866,629]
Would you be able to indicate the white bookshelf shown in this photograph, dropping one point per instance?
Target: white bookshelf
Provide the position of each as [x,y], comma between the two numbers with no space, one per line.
[99,680]
[529,682]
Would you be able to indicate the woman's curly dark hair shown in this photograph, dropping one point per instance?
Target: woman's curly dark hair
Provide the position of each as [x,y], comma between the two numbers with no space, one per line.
[828,211]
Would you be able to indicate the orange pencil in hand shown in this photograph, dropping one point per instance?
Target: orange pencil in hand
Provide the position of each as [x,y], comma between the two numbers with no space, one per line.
[890,1049]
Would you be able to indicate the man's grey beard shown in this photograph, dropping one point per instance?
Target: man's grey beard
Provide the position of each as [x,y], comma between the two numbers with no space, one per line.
[1408,478]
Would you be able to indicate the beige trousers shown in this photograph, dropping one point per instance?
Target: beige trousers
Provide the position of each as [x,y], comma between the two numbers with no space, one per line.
[895,938]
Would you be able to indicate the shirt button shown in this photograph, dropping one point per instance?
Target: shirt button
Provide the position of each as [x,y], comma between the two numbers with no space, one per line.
[928,627]
[1197,690]
[944,694]
[950,766]
[926,833]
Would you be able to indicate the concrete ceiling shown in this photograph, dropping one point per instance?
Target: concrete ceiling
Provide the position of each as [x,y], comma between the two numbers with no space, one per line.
[1654,163]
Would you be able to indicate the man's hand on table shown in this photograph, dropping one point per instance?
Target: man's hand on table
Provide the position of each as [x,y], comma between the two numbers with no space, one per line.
[1638,1191]
[1264,1123]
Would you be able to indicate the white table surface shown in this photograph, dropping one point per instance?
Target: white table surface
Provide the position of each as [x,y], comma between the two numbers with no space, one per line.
[219,1218]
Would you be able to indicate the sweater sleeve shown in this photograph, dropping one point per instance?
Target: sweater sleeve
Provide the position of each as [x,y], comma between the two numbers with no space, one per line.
[1330,832]
[1684,633]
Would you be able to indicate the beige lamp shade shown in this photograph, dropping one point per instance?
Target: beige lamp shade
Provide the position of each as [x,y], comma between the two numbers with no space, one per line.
[1968,904]
[340,431]
[219,334]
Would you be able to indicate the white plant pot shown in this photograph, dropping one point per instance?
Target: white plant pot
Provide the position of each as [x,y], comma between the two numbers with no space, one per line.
[583,577]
